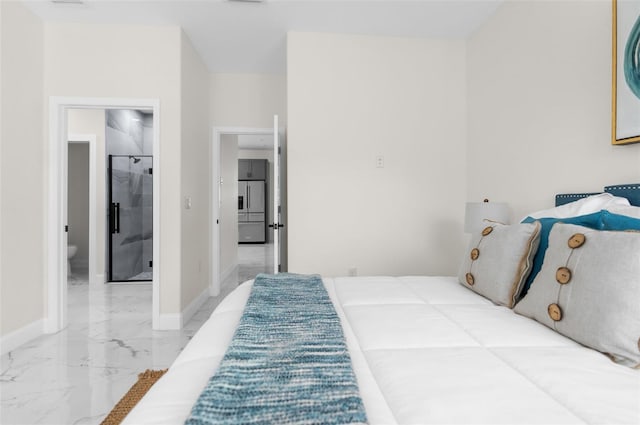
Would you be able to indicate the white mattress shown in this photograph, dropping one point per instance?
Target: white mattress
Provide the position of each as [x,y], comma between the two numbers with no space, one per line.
[427,350]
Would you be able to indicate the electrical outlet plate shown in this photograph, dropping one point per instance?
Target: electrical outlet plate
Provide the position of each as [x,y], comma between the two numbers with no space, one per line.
[379,161]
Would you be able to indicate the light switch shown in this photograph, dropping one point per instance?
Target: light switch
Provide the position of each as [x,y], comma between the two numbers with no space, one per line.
[187,202]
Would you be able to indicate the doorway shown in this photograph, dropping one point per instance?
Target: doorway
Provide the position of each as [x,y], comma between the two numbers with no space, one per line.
[129,194]
[56,282]
[233,262]
[82,238]
[78,217]
[255,181]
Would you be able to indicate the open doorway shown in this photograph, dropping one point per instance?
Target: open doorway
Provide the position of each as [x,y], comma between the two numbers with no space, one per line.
[256,184]
[129,155]
[109,196]
[246,210]
[246,190]
[81,207]
[58,240]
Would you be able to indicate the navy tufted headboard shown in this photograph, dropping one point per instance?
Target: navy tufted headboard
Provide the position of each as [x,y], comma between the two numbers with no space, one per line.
[629,191]
[565,198]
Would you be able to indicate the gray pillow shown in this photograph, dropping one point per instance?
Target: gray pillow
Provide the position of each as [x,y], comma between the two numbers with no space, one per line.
[589,290]
[499,260]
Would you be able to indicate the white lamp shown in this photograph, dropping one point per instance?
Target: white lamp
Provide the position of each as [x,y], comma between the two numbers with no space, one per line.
[476,214]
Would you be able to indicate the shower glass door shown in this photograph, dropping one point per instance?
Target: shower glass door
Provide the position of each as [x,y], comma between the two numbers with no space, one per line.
[130,218]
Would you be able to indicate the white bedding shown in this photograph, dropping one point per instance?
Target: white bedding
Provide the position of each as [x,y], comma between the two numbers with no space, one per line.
[427,350]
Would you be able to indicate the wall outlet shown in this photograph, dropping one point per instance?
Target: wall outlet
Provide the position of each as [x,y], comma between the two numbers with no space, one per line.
[379,161]
[353,271]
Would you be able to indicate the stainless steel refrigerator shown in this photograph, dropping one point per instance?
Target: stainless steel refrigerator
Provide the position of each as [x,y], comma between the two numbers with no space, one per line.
[251,211]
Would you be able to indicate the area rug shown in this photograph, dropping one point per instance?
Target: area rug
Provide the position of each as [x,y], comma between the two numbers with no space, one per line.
[133,396]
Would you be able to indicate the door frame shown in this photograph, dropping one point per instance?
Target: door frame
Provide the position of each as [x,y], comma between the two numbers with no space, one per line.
[90,139]
[56,245]
[215,272]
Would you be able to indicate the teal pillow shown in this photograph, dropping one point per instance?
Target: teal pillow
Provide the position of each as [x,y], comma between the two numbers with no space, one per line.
[613,221]
[593,221]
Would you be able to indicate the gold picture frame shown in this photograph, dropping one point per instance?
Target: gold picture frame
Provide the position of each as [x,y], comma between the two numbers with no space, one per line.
[625,93]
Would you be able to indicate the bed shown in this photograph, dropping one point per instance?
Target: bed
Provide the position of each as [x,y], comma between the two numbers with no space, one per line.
[441,350]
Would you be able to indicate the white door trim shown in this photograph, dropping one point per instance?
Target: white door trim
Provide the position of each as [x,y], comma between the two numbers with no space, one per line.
[56,277]
[275,202]
[93,231]
[215,272]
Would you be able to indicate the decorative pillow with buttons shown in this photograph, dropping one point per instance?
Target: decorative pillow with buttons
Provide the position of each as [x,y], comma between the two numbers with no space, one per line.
[499,259]
[589,290]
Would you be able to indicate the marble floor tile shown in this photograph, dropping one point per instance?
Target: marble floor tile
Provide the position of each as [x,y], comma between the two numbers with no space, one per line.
[77,375]
[254,259]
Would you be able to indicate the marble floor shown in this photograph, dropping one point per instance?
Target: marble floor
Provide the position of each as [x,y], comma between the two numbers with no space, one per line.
[77,375]
[254,259]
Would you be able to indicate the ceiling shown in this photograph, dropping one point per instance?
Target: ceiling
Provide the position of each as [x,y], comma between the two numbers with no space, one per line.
[250,37]
[255,141]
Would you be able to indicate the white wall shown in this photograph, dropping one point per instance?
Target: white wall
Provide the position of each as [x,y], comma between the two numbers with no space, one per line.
[21,169]
[196,178]
[539,99]
[351,98]
[248,100]
[92,121]
[228,203]
[120,61]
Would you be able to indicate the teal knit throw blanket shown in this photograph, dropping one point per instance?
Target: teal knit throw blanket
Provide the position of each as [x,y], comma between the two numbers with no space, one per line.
[288,362]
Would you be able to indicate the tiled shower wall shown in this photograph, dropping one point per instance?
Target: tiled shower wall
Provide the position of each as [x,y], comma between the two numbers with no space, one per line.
[130,133]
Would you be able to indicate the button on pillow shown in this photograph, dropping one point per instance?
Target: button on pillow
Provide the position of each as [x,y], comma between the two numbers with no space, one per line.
[593,221]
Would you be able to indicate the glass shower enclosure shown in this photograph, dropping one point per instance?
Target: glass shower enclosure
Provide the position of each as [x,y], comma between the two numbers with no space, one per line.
[130,218]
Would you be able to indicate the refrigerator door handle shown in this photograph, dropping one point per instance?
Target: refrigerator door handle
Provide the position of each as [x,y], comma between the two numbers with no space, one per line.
[248,197]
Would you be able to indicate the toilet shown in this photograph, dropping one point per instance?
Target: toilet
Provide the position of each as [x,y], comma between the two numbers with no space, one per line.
[71,251]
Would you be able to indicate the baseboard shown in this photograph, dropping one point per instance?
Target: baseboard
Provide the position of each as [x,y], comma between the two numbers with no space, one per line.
[15,339]
[193,307]
[226,274]
[167,322]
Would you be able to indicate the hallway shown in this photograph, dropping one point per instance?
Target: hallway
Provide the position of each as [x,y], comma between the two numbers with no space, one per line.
[254,259]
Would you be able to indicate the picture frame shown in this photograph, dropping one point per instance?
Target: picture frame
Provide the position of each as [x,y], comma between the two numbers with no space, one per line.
[625,117]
